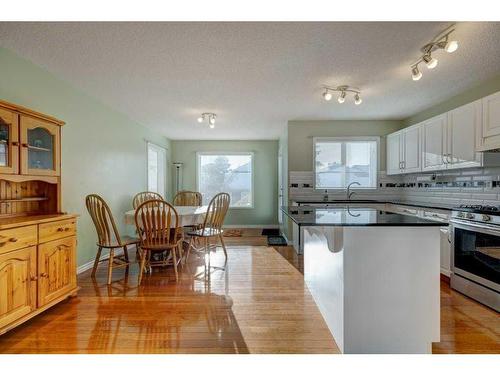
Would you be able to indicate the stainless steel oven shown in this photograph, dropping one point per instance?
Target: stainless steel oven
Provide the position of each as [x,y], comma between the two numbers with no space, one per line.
[475,241]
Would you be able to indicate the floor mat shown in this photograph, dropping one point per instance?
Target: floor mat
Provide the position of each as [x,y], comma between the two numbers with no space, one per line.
[276,241]
[232,233]
[270,232]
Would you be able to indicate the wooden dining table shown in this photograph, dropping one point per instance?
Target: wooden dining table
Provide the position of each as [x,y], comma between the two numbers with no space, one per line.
[188,215]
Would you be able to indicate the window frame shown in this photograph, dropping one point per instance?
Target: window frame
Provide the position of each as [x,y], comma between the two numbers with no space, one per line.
[347,139]
[164,150]
[229,153]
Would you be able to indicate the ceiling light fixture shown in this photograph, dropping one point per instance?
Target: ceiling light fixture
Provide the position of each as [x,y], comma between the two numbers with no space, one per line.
[415,73]
[327,95]
[442,41]
[211,119]
[343,90]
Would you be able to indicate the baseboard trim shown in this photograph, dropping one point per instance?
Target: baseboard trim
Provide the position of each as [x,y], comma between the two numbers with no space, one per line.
[87,266]
[273,226]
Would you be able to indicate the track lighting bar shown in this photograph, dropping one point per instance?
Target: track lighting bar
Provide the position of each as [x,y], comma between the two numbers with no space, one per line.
[343,90]
[442,41]
[208,116]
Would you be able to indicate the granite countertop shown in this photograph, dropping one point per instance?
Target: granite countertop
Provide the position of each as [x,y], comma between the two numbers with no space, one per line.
[439,206]
[354,216]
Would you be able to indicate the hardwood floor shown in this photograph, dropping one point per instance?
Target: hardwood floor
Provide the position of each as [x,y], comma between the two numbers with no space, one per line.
[259,305]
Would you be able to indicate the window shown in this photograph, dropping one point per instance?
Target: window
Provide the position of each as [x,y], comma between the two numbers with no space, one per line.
[340,161]
[231,173]
[157,158]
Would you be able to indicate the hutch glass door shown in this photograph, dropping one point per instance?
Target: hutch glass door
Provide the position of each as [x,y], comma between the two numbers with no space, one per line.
[9,142]
[40,147]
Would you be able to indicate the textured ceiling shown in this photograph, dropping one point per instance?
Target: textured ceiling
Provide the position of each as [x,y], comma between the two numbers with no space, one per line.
[255,76]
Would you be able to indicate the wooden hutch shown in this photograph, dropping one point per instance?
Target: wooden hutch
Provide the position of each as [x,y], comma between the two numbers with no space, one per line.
[37,240]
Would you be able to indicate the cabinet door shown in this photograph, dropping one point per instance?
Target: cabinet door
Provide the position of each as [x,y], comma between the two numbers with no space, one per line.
[491,115]
[394,153]
[56,269]
[433,143]
[9,142]
[463,125]
[17,284]
[40,147]
[411,148]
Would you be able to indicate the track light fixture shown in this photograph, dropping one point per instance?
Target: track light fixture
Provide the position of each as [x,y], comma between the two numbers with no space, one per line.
[343,90]
[442,41]
[211,119]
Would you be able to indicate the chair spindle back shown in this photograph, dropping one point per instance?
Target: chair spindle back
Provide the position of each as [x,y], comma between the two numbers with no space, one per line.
[104,222]
[187,198]
[145,196]
[216,212]
[157,222]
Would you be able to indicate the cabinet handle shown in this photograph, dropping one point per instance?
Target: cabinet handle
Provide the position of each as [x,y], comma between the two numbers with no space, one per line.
[44,274]
[62,229]
[14,143]
[33,278]
[13,239]
[24,144]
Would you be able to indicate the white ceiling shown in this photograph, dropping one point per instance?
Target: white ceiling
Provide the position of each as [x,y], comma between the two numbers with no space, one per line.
[255,76]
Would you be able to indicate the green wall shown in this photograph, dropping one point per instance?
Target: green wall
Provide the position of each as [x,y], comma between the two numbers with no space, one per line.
[103,151]
[484,89]
[301,133]
[265,209]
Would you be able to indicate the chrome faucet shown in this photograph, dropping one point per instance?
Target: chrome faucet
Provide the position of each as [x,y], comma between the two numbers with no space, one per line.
[349,193]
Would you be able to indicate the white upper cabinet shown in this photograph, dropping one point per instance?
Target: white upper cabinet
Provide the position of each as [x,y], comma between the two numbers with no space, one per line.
[433,143]
[491,122]
[394,155]
[462,135]
[411,149]
[403,151]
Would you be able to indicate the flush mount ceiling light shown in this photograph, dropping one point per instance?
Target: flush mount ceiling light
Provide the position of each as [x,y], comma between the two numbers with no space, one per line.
[208,116]
[442,41]
[343,90]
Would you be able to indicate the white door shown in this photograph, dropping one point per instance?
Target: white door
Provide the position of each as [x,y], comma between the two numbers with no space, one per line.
[280,187]
[157,164]
[394,153]
[411,150]
[433,143]
[491,115]
[463,123]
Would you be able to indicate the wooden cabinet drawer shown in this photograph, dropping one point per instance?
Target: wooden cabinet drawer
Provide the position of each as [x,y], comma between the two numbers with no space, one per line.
[17,238]
[57,229]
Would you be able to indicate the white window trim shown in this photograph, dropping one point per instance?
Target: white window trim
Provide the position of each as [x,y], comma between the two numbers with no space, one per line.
[165,173]
[251,153]
[346,139]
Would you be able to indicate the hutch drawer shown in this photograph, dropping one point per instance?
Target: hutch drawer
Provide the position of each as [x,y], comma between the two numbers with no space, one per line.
[17,238]
[57,229]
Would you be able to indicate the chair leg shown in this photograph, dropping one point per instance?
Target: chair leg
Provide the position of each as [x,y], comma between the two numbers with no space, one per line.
[125,252]
[110,265]
[186,258]
[96,262]
[174,250]
[223,245]
[142,266]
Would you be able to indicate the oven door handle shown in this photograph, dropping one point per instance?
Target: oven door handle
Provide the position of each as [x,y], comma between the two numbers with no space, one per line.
[485,228]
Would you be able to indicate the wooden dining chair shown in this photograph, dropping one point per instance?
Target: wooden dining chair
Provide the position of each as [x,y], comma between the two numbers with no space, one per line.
[187,198]
[145,196]
[157,224]
[108,236]
[212,225]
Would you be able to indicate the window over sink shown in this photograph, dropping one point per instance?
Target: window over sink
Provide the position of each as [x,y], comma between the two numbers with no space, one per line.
[341,160]
[230,173]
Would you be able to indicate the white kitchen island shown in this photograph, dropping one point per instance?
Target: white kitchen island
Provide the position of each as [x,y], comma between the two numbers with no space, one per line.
[375,277]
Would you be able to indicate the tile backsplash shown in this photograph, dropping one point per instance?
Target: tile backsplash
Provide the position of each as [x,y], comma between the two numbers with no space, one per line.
[454,187]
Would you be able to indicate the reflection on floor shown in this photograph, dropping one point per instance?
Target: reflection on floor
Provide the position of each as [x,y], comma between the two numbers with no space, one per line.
[258,305]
